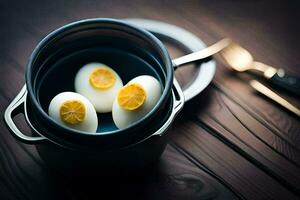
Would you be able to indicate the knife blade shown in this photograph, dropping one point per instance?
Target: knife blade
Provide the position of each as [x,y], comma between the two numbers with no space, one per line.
[275,97]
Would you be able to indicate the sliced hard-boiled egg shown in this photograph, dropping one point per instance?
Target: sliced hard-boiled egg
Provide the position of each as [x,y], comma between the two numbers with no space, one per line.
[73,110]
[100,84]
[135,100]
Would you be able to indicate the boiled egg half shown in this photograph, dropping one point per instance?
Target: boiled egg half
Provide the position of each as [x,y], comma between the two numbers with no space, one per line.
[135,100]
[100,84]
[73,110]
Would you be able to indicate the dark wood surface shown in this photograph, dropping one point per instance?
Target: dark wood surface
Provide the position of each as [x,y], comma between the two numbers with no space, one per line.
[228,143]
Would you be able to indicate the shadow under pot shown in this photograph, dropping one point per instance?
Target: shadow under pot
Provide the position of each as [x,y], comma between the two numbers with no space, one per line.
[131,52]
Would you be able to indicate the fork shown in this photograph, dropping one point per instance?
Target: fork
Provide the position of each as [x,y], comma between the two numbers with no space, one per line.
[241,60]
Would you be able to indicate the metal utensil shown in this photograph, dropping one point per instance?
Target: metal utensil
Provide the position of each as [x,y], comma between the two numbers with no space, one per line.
[202,54]
[275,97]
[241,60]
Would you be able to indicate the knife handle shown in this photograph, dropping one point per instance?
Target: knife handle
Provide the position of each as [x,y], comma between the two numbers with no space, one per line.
[287,82]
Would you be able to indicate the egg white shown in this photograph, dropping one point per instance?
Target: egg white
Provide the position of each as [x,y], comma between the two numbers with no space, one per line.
[90,122]
[123,118]
[101,99]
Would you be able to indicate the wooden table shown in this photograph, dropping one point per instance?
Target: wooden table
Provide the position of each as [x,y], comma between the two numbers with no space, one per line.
[229,143]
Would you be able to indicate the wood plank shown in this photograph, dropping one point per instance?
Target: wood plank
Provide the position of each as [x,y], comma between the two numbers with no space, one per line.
[18,44]
[39,21]
[235,170]
[231,123]
[286,122]
[268,31]
[12,78]
[283,124]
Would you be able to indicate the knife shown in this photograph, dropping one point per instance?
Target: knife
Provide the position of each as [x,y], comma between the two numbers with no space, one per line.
[279,78]
[275,97]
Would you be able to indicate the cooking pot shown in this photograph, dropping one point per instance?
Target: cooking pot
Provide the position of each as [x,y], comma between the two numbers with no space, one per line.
[130,51]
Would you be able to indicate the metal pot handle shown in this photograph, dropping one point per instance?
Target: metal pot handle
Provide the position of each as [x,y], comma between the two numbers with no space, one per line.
[14,108]
[178,99]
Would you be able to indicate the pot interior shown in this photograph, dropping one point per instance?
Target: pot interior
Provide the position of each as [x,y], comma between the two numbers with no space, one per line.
[130,53]
[60,76]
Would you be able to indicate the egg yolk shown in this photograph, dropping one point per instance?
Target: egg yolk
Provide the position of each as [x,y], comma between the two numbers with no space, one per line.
[131,96]
[102,78]
[72,112]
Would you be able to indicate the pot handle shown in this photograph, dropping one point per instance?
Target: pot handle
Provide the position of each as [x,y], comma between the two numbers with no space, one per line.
[14,108]
[178,99]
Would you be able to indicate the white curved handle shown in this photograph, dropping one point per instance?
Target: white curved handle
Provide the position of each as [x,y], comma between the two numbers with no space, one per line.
[14,108]
[201,54]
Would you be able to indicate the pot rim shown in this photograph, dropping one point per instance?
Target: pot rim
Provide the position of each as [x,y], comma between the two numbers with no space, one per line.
[51,36]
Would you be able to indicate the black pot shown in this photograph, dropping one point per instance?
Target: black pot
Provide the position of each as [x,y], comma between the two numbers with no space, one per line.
[51,70]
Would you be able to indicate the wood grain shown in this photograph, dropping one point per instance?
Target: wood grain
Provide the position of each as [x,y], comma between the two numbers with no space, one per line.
[219,158]
[244,133]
